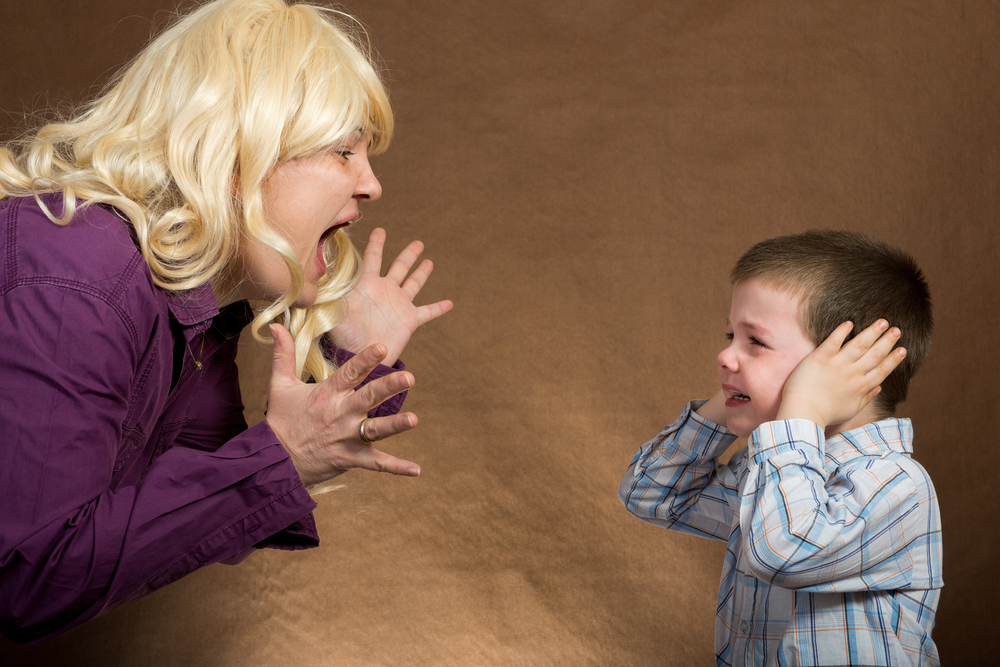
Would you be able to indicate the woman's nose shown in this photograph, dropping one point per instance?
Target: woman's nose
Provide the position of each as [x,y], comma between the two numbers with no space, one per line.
[368,186]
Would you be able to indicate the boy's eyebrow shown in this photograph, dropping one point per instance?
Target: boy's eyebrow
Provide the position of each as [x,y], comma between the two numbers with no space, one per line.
[752,326]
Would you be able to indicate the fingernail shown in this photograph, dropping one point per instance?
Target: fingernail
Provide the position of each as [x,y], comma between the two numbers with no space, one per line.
[882,324]
[414,472]
[896,332]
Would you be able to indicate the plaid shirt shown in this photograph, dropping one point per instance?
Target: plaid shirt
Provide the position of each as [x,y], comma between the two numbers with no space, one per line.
[834,546]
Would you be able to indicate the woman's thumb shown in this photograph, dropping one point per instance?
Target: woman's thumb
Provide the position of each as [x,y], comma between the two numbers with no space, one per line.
[283,355]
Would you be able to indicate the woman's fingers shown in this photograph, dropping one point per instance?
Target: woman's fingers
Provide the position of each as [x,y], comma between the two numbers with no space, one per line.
[402,264]
[416,280]
[320,425]
[356,369]
[380,428]
[367,457]
[378,391]
[430,311]
[371,259]
[379,461]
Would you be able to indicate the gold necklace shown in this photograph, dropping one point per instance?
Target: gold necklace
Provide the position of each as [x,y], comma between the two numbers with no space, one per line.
[197,362]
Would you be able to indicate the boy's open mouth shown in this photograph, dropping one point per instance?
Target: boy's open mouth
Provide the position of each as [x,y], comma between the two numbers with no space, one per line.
[734,398]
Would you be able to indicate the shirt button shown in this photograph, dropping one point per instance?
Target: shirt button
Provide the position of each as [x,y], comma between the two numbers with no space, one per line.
[744,626]
[295,526]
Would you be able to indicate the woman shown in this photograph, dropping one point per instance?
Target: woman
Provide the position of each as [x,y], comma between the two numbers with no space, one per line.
[222,167]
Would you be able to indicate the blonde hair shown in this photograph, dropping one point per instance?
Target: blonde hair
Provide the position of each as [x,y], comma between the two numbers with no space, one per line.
[184,136]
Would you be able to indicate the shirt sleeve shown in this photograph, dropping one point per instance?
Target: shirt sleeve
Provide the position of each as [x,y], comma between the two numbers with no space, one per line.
[73,544]
[675,480]
[215,417]
[815,529]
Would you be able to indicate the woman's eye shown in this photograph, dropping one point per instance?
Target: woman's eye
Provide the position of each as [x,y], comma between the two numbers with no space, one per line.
[345,154]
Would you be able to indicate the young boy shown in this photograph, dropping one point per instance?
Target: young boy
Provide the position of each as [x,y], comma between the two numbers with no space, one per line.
[833,530]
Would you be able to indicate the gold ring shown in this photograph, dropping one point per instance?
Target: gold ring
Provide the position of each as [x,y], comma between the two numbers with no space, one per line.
[361,432]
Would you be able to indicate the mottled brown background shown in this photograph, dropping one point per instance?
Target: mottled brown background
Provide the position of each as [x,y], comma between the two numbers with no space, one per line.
[584,173]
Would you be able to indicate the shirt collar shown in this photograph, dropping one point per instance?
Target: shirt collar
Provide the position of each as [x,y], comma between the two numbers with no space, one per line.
[197,306]
[873,439]
[193,306]
[197,312]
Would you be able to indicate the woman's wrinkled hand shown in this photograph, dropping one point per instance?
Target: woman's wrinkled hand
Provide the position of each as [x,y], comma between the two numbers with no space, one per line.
[381,309]
[319,424]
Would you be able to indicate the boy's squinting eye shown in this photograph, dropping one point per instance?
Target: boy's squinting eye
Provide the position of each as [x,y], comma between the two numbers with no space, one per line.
[753,340]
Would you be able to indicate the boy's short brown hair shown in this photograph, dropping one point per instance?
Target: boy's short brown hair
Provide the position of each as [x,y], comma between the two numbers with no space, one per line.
[845,276]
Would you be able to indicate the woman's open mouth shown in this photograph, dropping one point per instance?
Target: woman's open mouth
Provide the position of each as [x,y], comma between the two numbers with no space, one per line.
[320,259]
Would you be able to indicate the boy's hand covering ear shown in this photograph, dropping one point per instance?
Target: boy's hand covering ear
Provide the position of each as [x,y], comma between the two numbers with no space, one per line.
[836,381]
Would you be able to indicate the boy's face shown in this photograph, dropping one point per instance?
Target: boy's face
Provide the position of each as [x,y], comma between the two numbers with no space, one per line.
[767,343]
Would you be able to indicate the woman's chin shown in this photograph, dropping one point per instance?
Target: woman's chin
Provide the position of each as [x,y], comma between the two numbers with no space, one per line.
[306,297]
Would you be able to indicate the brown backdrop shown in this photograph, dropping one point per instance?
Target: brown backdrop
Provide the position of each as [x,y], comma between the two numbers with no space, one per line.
[584,173]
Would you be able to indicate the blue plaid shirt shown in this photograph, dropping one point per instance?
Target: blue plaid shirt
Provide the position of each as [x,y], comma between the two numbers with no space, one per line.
[834,546]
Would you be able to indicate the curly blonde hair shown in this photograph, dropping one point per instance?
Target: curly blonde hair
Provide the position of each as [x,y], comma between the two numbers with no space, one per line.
[183,137]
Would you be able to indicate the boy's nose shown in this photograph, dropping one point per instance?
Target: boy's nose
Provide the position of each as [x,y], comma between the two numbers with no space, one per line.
[727,359]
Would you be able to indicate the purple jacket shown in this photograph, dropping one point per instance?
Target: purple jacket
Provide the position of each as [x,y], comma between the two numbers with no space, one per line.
[122,468]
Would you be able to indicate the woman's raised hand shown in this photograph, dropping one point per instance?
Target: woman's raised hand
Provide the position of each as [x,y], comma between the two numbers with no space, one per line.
[380,309]
[320,424]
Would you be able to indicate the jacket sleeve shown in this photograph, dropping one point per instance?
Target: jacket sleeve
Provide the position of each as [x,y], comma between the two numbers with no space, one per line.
[865,525]
[675,480]
[73,544]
